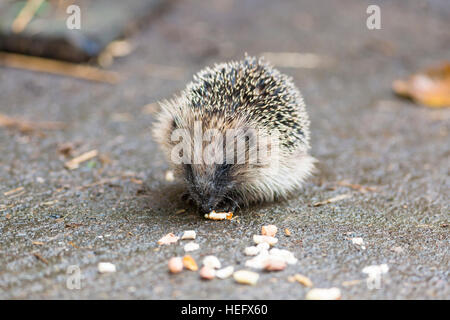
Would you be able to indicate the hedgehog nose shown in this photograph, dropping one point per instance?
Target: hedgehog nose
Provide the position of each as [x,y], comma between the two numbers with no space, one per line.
[207,207]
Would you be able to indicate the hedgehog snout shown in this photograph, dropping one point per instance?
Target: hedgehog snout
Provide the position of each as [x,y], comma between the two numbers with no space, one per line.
[209,203]
[207,207]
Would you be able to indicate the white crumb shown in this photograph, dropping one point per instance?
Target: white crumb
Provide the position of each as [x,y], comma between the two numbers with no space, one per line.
[106,267]
[189,235]
[191,246]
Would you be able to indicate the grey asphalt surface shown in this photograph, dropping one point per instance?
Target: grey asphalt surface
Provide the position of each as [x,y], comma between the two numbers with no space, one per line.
[361,133]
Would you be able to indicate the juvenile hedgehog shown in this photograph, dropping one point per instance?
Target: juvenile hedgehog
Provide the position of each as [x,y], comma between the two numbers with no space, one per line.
[228,116]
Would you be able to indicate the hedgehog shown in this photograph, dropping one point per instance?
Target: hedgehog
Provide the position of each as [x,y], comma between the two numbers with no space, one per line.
[237,135]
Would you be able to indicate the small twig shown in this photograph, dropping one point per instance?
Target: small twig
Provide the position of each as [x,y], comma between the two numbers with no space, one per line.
[358,187]
[334,199]
[40,258]
[75,162]
[48,203]
[58,67]
[110,180]
[25,15]
[26,126]
[13,191]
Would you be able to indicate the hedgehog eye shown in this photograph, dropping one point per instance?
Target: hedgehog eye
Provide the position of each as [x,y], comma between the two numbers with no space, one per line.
[174,124]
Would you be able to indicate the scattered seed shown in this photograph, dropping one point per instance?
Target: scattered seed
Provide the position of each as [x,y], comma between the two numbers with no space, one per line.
[188,235]
[263,246]
[397,249]
[283,254]
[219,215]
[302,280]
[212,262]
[268,239]
[269,230]
[175,264]
[191,246]
[207,273]
[324,294]
[287,232]
[189,263]
[168,239]
[259,261]
[73,245]
[225,272]
[251,251]
[246,277]
[40,180]
[274,264]
[106,267]
[359,242]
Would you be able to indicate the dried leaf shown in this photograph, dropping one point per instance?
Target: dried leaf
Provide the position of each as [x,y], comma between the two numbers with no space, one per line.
[430,87]
[189,263]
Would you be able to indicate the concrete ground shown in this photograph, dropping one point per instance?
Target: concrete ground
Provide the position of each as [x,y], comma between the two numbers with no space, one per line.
[115,207]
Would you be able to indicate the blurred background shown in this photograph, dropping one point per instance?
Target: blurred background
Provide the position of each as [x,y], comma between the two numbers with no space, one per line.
[79,85]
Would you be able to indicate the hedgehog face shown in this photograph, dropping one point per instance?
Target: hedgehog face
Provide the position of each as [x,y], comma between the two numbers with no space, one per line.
[210,187]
